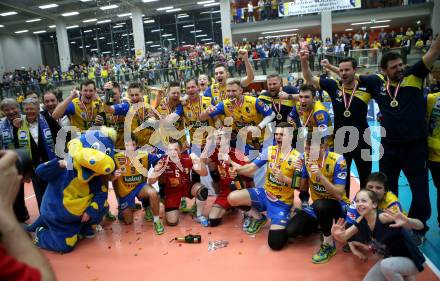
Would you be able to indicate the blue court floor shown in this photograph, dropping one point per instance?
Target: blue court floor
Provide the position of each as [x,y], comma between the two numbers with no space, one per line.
[431,247]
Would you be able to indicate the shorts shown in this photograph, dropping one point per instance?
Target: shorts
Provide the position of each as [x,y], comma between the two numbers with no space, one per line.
[222,197]
[277,211]
[128,201]
[172,196]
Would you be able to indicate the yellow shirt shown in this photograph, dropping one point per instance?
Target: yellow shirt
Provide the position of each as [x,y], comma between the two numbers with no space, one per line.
[130,176]
[433,117]
[84,115]
[334,169]
[218,92]
[191,113]
[281,191]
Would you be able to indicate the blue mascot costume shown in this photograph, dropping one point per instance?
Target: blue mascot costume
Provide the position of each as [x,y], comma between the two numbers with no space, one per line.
[72,192]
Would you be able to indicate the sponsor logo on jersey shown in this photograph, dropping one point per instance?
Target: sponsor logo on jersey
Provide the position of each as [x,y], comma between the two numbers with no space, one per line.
[130,179]
[342,175]
[320,117]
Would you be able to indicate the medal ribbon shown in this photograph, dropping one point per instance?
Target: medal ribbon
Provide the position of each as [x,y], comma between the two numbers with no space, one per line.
[87,111]
[347,105]
[200,108]
[308,119]
[396,91]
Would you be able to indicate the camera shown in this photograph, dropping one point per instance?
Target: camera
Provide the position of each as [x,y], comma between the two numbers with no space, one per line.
[24,164]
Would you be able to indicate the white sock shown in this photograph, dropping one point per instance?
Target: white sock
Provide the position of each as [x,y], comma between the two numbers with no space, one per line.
[328,240]
[254,213]
[200,204]
[155,218]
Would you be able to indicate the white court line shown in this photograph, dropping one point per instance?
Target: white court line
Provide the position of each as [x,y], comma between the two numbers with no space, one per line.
[432,266]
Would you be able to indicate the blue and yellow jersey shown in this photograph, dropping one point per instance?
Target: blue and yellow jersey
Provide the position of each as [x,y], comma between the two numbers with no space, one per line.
[285,163]
[217,92]
[334,169]
[139,117]
[164,108]
[319,117]
[433,112]
[130,176]
[117,123]
[390,201]
[83,115]
[250,113]
[191,112]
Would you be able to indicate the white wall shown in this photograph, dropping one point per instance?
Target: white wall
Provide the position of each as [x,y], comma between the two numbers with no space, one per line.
[18,51]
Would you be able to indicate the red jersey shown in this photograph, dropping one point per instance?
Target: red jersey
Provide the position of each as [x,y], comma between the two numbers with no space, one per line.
[223,166]
[174,178]
[12,269]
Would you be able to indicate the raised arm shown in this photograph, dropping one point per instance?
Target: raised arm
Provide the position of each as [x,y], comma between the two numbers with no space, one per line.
[305,68]
[433,53]
[61,107]
[250,75]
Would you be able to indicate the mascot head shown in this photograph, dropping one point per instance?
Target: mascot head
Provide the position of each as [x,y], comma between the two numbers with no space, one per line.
[92,153]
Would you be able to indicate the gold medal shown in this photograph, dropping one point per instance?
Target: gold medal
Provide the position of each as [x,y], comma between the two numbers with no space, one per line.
[347,113]
[394,103]
[279,116]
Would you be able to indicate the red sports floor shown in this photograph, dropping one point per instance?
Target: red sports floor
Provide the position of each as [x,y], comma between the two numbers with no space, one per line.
[121,252]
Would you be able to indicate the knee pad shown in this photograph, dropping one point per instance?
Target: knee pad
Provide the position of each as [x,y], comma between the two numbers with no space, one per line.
[214,222]
[202,194]
[277,239]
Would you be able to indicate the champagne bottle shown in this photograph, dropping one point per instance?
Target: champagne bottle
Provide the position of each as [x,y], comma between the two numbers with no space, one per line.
[190,239]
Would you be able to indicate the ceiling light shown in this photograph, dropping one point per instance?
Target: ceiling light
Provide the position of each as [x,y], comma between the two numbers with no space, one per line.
[205,2]
[148,21]
[188,25]
[215,12]
[1,25]
[165,8]
[52,26]
[109,43]
[195,31]
[149,1]
[171,39]
[211,5]
[33,20]
[205,12]
[124,15]
[73,42]
[174,10]
[379,26]
[87,31]
[71,26]
[103,21]
[118,26]
[182,16]
[90,20]
[70,14]
[152,46]
[206,39]
[202,35]
[100,38]
[85,0]
[156,30]
[370,22]
[21,31]
[108,7]
[219,21]
[8,14]
[348,29]
[167,35]
[148,42]
[93,50]
[278,31]
[48,6]
[39,32]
